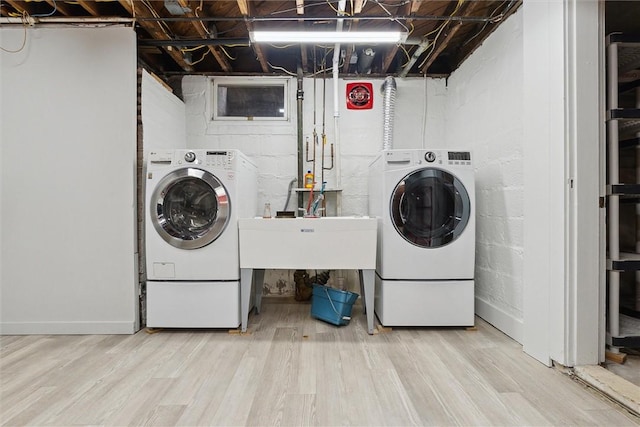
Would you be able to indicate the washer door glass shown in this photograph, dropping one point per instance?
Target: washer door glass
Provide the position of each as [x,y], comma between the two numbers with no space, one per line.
[430,208]
[190,208]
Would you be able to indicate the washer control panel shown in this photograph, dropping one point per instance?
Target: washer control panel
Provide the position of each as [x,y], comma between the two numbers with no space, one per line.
[223,159]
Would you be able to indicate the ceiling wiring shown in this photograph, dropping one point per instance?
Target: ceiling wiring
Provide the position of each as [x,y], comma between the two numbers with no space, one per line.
[237,45]
[163,26]
[233,58]
[341,13]
[487,22]
[133,9]
[191,49]
[406,54]
[55,9]
[25,23]
[275,67]
[440,29]
[293,9]
[284,46]
[390,14]
[413,27]
[204,27]
[398,4]
[225,32]
[199,60]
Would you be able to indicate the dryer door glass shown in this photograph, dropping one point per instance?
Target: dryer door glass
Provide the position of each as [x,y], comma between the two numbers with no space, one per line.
[191,208]
[430,208]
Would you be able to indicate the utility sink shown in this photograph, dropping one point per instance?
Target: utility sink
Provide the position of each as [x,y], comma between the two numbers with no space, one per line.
[328,243]
[313,243]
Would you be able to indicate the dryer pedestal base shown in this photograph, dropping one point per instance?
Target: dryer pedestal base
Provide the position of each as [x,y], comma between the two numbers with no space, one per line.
[424,303]
[193,304]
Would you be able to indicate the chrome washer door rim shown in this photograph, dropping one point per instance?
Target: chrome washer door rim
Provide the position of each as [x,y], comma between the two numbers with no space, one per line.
[163,224]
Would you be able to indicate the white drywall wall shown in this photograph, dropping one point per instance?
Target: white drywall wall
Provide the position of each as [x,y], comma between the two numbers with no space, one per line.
[484,112]
[163,117]
[68,181]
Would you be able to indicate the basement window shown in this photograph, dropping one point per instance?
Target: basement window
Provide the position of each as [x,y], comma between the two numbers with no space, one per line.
[246,99]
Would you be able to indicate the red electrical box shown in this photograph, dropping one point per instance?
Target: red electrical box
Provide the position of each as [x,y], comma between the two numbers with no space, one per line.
[359,96]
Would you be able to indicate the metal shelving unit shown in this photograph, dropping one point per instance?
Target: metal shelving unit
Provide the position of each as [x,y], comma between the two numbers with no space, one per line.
[623,132]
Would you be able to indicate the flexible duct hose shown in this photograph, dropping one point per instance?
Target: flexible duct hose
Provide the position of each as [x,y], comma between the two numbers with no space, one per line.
[389,89]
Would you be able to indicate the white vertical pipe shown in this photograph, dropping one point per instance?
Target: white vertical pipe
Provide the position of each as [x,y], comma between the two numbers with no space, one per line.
[614,200]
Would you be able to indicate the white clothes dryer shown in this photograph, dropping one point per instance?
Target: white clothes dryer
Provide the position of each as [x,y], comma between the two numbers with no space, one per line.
[193,201]
[424,201]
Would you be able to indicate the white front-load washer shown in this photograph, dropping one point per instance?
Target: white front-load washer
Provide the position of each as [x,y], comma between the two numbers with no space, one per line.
[425,204]
[193,201]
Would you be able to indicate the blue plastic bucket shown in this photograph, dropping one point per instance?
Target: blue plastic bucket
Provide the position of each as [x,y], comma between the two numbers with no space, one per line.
[332,305]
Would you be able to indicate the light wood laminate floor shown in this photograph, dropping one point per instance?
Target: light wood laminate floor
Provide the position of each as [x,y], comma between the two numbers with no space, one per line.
[291,370]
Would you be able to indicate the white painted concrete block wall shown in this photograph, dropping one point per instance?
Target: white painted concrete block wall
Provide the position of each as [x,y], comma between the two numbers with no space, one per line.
[484,111]
[273,145]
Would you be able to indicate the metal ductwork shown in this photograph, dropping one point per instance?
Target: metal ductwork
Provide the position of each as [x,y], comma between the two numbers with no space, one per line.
[389,102]
[365,60]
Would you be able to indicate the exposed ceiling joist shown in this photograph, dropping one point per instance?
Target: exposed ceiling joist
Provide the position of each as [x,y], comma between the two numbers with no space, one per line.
[441,46]
[243,5]
[19,6]
[154,29]
[245,9]
[303,49]
[442,33]
[349,49]
[465,10]
[204,33]
[89,6]
[393,51]
[415,6]
[60,6]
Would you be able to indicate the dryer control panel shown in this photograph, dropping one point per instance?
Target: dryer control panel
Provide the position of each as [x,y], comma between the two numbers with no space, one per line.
[459,157]
[414,157]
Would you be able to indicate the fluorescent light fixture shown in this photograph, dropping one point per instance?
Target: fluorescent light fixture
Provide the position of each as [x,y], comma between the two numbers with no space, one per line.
[327,36]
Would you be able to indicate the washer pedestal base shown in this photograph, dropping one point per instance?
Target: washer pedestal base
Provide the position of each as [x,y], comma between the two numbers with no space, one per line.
[424,302]
[193,304]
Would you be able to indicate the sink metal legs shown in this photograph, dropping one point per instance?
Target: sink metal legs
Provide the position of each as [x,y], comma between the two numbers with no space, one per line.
[255,278]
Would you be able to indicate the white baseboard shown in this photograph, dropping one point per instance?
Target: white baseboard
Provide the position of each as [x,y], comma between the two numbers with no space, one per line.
[500,319]
[67,328]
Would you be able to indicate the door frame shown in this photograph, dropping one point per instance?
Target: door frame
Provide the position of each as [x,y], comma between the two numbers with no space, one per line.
[562,294]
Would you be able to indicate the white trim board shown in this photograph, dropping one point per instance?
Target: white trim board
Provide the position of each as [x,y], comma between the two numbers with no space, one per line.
[502,320]
[68,328]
